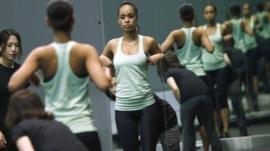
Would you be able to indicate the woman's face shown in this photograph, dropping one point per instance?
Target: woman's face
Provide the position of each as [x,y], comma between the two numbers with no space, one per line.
[209,13]
[12,49]
[246,9]
[127,18]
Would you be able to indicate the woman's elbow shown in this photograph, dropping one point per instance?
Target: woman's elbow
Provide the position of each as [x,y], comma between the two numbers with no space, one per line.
[176,90]
[105,84]
[12,86]
[211,49]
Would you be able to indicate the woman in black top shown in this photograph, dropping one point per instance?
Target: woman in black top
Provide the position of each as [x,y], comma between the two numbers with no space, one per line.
[10,50]
[191,92]
[34,129]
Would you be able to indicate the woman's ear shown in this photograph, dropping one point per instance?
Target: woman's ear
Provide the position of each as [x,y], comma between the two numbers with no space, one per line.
[47,21]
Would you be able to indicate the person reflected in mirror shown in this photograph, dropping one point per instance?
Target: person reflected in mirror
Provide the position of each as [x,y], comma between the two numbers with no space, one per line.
[192,94]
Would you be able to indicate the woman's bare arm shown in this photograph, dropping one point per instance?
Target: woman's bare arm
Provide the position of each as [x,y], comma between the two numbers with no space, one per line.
[175,89]
[24,144]
[21,77]
[95,69]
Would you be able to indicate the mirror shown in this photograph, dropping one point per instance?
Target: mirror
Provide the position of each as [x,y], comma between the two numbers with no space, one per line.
[159,18]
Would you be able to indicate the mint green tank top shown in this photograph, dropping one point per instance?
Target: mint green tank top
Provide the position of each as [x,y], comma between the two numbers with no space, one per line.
[250,40]
[261,17]
[133,90]
[215,60]
[238,35]
[265,32]
[190,54]
[67,95]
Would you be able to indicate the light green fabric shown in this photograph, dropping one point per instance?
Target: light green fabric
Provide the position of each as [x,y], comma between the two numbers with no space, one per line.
[133,91]
[215,60]
[265,25]
[190,54]
[261,23]
[238,35]
[67,95]
[250,40]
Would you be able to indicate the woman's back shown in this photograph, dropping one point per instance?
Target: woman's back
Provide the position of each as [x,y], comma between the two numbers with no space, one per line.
[190,53]
[67,91]
[47,135]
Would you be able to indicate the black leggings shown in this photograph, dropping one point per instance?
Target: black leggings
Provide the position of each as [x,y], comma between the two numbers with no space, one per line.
[200,106]
[132,124]
[90,140]
[217,83]
[235,94]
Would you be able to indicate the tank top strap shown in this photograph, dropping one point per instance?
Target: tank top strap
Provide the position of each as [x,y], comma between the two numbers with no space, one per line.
[219,30]
[140,44]
[188,34]
[119,45]
[68,50]
[205,26]
[252,22]
[63,54]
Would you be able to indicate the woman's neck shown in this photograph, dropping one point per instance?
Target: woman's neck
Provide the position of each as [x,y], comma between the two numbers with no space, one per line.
[247,16]
[61,37]
[187,24]
[211,24]
[130,36]
[6,62]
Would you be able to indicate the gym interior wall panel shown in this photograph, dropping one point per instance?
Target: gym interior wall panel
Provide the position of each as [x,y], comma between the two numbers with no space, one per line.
[29,20]
[5,14]
[88,23]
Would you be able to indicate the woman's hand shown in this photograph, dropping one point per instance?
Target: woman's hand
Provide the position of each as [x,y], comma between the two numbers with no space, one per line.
[154,59]
[3,141]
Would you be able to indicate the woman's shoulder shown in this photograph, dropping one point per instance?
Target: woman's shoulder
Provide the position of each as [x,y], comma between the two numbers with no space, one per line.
[147,38]
[41,51]
[114,41]
[199,30]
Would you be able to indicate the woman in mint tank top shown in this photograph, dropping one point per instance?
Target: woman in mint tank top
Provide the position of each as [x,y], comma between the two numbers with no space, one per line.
[216,68]
[67,67]
[266,28]
[252,53]
[237,28]
[135,112]
[189,42]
